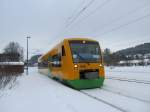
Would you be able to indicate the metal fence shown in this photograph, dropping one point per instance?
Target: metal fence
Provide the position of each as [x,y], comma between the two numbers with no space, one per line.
[11,69]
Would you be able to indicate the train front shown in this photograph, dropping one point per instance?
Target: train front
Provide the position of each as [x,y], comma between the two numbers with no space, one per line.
[88,64]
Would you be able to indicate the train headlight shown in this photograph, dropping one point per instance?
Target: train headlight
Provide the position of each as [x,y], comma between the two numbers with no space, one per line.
[75,66]
[100,65]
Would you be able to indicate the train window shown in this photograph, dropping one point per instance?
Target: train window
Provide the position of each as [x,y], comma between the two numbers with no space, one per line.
[49,58]
[56,60]
[43,64]
[63,51]
[85,51]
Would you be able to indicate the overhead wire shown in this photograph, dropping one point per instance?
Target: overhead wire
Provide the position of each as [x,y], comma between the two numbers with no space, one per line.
[83,9]
[75,11]
[94,11]
[130,22]
[72,18]
[69,18]
[75,17]
[133,42]
[126,24]
[136,20]
[119,18]
[124,16]
[80,12]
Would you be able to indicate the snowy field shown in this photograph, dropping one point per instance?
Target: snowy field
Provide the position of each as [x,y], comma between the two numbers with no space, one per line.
[126,89]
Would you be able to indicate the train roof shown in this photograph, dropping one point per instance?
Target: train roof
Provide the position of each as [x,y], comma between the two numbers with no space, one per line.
[88,39]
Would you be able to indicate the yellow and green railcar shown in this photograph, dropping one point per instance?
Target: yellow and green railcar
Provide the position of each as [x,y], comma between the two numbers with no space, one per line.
[76,61]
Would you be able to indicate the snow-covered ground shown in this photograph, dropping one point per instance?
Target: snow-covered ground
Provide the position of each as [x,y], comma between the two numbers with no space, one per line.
[133,72]
[134,81]
[38,93]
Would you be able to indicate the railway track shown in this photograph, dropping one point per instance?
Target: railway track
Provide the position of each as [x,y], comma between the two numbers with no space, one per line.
[128,96]
[103,101]
[98,95]
[128,80]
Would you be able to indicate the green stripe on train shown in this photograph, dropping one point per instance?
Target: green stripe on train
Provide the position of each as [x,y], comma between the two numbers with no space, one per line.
[85,84]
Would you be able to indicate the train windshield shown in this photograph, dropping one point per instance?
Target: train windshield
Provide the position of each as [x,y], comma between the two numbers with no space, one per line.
[85,51]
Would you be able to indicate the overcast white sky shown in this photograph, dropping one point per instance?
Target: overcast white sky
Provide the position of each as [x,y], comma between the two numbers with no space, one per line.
[117,24]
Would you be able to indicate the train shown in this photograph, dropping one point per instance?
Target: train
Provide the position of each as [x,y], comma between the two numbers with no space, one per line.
[77,62]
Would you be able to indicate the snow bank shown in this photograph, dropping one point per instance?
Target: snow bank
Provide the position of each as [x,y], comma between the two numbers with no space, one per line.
[11,63]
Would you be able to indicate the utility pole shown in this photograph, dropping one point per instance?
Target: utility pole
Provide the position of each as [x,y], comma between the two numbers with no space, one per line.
[27,53]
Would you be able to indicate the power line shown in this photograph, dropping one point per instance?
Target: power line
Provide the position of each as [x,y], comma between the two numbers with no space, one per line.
[75,17]
[94,11]
[70,18]
[80,12]
[84,8]
[103,4]
[123,16]
[119,18]
[133,42]
[125,24]
[76,10]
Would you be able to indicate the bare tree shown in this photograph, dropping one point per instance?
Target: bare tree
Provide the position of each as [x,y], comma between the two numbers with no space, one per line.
[15,49]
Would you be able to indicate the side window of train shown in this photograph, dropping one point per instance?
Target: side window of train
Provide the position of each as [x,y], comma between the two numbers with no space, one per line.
[63,51]
[49,59]
[56,60]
